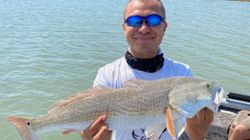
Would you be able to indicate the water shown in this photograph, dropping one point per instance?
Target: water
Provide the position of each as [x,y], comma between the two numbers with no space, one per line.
[51,49]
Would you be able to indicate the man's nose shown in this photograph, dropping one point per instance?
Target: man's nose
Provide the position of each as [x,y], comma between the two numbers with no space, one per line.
[144,27]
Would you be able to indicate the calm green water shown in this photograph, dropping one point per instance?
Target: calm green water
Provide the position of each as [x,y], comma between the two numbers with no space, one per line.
[51,49]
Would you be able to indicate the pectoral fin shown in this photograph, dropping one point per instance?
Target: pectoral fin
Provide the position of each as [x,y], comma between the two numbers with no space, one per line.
[69,131]
[170,124]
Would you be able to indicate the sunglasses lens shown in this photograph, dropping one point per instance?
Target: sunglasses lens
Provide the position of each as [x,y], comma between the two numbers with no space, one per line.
[153,20]
[134,21]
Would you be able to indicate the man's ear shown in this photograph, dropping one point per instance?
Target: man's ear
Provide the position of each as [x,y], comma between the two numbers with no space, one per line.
[123,27]
[165,26]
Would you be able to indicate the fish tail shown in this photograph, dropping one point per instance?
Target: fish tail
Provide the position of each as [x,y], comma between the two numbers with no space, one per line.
[23,126]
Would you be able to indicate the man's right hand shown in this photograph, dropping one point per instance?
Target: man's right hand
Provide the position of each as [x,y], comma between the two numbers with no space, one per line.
[97,131]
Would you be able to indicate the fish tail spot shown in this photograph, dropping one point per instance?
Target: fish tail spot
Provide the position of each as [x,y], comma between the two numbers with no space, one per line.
[22,124]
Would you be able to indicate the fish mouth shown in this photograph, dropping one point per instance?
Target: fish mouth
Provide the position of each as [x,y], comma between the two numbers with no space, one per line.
[217,99]
[220,90]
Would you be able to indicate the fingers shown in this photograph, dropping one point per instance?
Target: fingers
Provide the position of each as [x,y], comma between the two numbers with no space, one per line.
[197,126]
[204,116]
[208,115]
[97,131]
[97,125]
[202,119]
[104,134]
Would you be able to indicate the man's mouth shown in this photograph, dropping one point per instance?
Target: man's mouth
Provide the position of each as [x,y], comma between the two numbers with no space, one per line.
[144,38]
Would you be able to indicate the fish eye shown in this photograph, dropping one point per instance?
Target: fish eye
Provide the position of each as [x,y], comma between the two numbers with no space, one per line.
[28,123]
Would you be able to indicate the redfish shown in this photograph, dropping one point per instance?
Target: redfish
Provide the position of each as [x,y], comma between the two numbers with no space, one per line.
[140,104]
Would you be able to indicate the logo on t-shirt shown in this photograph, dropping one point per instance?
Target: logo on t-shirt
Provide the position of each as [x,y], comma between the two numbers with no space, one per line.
[141,135]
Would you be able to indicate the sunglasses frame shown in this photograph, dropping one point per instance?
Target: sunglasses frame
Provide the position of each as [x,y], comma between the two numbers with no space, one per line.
[145,18]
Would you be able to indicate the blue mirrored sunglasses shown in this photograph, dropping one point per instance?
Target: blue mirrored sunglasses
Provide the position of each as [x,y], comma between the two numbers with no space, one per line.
[137,21]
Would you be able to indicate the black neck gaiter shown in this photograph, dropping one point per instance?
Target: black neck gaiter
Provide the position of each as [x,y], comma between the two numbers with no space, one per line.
[148,65]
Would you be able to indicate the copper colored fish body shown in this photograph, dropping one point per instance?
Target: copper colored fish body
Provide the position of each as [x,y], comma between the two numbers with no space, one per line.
[140,104]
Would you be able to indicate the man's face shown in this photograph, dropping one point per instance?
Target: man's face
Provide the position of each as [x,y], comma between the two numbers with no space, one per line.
[144,41]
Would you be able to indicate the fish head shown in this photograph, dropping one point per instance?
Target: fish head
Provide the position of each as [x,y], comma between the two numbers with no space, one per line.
[188,97]
[192,94]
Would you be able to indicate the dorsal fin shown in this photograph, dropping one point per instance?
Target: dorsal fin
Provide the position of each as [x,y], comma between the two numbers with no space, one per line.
[80,96]
[135,83]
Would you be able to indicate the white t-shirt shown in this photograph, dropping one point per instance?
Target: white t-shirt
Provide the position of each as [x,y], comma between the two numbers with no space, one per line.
[115,74]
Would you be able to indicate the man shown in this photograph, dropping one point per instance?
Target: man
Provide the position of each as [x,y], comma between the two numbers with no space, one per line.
[144,27]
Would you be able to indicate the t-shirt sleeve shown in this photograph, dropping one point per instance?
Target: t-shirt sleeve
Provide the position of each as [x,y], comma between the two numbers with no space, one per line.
[189,73]
[183,70]
[101,78]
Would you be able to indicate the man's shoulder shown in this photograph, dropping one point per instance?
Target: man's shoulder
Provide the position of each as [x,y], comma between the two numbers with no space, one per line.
[176,64]
[176,68]
[113,65]
[113,74]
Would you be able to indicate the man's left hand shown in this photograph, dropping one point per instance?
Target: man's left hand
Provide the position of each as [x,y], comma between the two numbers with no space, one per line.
[197,127]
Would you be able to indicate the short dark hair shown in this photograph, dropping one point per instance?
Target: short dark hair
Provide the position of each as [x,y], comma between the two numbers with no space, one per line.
[162,7]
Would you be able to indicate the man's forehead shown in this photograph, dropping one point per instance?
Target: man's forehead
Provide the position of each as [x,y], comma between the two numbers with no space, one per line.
[144,0]
[154,5]
[147,3]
